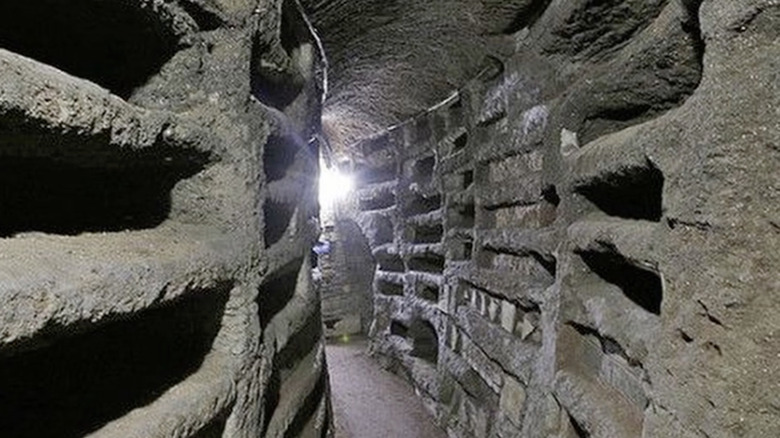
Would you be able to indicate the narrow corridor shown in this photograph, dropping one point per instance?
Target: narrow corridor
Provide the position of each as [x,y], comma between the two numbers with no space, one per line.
[369,402]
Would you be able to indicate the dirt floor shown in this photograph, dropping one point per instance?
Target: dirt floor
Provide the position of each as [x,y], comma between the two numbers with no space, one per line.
[369,402]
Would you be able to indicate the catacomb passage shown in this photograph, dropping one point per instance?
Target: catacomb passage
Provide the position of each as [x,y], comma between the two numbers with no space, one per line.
[553,218]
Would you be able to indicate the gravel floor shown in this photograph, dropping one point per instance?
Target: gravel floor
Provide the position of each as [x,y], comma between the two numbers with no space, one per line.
[369,402]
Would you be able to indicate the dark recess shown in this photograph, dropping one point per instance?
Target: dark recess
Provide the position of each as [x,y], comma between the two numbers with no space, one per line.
[81,382]
[425,341]
[277,291]
[428,234]
[117,44]
[468,178]
[641,286]
[369,175]
[462,216]
[432,263]
[398,328]
[277,218]
[578,429]
[430,293]
[46,195]
[390,289]
[279,155]
[633,193]
[422,171]
[421,205]
[279,86]
[390,262]
[381,201]
[308,409]
[460,142]
[298,346]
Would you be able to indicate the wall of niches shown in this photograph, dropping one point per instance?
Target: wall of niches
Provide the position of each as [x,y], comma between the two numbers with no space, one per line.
[156,207]
[540,278]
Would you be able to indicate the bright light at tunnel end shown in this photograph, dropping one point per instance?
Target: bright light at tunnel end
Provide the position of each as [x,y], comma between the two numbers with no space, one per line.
[334,185]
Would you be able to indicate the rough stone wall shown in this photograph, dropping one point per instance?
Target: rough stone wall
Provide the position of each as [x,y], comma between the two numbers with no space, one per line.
[157,205]
[347,273]
[582,242]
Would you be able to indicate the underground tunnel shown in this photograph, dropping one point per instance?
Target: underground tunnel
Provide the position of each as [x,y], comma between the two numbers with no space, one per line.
[357,219]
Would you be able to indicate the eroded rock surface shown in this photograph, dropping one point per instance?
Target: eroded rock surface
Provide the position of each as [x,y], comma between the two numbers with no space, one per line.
[585,237]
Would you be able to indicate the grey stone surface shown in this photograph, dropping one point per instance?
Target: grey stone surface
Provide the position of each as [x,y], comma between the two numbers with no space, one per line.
[596,219]
[157,203]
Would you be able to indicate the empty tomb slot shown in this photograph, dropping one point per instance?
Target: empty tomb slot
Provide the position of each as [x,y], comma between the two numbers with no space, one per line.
[460,142]
[431,263]
[308,409]
[632,193]
[421,131]
[279,156]
[425,341]
[421,205]
[375,175]
[389,288]
[640,285]
[379,201]
[278,79]
[277,291]
[118,45]
[278,216]
[467,179]
[601,357]
[74,385]
[462,215]
[422,170]
[398,328]
[462,250]
[67,197]
[430,233]
[390,262]
[300,344]
[428,292]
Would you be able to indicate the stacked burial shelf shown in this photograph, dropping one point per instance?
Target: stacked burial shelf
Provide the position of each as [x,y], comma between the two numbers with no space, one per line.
[123,288]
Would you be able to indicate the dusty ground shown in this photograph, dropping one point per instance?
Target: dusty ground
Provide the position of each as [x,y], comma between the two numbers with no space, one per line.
[369,402]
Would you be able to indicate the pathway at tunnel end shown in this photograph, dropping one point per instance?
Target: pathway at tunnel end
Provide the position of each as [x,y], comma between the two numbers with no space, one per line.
[369,402]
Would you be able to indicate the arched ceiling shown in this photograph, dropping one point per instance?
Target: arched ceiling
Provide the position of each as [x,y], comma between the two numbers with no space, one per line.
[391,59]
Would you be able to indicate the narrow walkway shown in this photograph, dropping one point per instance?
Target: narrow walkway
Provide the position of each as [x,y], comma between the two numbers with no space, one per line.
[369,402]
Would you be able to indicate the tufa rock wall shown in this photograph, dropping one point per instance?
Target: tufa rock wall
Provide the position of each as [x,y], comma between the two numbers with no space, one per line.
[156,205]
[582,241]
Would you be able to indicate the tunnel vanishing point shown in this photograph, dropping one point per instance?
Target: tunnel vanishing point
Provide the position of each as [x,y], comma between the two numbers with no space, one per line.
[566,220]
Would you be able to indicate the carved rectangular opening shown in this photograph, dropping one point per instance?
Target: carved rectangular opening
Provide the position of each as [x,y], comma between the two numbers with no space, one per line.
[425,341]
[432,263]
[278,156]
[462,216]
[428,292]
[460,142]
[375,175]
[118,45]
[379,201]
[427,233]
[390,262]
[65,197]
[632,193]
[277,291]
[278,216]
[422,170]
[421,205]
[78,383]
[398,328]
[638,284]
[388,288]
